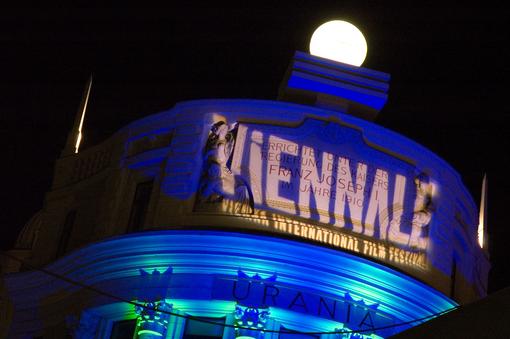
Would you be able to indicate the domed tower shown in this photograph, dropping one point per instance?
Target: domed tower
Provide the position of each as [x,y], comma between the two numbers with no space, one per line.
[250,219]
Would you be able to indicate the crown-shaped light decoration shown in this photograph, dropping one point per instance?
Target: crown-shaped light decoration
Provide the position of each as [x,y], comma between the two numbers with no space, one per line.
[157,274]
[153,286]
[256,277]
[361,302]
[250,321]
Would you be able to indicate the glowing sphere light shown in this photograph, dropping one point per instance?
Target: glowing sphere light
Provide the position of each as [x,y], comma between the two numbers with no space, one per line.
[340,41]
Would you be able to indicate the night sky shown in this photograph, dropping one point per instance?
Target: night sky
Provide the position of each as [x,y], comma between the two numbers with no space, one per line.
[448,91]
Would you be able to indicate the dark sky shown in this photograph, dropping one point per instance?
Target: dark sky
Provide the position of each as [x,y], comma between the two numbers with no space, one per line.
[448,91]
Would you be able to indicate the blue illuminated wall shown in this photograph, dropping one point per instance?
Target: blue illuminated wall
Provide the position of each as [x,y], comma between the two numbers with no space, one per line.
[237,262]
[452,231]
[304,287]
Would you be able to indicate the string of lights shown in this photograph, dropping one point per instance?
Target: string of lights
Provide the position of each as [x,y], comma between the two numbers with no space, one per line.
[147,307]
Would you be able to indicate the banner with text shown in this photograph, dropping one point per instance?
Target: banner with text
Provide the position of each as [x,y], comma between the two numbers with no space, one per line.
[325,172]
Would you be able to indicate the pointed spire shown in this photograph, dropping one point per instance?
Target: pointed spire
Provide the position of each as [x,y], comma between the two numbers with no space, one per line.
[482,223]
[75,136]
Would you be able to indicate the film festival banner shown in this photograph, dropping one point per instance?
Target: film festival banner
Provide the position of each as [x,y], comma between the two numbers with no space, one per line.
[344,192]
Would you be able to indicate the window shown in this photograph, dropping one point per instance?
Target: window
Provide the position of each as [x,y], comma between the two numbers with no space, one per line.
[453,277]
[123,329]
[140,206]
[66,233]
[204,330]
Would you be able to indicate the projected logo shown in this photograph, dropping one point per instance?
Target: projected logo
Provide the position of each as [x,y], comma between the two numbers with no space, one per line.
[325,173]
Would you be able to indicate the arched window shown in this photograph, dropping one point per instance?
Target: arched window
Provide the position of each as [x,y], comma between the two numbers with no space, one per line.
[140,206]
[65,235]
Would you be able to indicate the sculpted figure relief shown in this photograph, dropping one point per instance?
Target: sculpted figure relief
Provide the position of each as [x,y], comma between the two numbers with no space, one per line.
[220,189]
[423,208]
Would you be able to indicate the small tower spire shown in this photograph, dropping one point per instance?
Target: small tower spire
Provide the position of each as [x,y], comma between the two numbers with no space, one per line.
[75,136]
[482,222]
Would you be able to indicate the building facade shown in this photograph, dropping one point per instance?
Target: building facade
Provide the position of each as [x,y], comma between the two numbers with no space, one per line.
[249,219]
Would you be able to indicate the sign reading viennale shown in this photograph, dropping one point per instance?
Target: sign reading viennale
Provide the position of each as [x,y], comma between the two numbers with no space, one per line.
[325,174]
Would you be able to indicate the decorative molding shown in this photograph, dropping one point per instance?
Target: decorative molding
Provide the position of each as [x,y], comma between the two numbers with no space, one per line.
[256,277]
[250,321]
[152,319]
[197,257]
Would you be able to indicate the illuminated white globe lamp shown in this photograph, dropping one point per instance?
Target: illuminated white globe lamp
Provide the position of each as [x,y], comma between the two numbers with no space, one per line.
[339,41]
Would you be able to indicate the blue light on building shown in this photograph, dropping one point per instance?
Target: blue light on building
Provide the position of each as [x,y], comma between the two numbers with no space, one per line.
[250,219]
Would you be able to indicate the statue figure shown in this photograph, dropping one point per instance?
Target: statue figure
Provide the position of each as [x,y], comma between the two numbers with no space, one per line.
[423,209]
[218,183]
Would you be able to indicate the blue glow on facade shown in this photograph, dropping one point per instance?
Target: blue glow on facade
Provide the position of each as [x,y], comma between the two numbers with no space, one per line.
[369,98]
[382,86]
[151,320]
[269,248]
[341,66]
[213,259]
[180,182]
